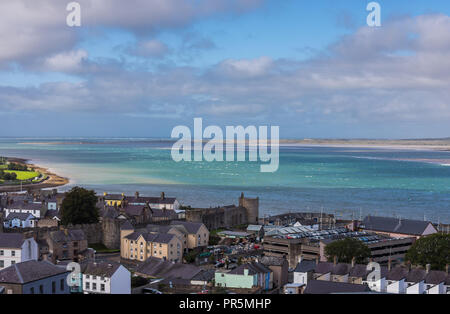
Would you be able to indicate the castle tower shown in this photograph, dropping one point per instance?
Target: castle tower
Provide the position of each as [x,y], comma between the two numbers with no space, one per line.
[252,208]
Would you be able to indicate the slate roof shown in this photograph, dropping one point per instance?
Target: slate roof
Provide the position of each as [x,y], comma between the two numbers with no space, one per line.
[126,225]
[305,266]
[101,269]
[151,237]
[341,269]
[359,271]
[397,273]
[25,272]
[24,205]
[416,275]
[253,268]
[72,235]
[191,227]
[20,216]
[158,268]
[205,275]
[327,287]
[324,268]
[395,225]
[272,261]
[52,214]
[436,277]
[11,240]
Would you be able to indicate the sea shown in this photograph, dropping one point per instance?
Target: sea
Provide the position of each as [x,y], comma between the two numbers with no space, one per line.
[350,182]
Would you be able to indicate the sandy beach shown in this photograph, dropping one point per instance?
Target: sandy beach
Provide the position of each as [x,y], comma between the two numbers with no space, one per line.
[53,180]
[410,144]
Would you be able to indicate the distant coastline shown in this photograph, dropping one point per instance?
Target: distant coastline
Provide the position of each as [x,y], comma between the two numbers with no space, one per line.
[53,180]
[411,144]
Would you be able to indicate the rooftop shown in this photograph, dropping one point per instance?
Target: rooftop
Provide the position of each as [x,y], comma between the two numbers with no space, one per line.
[11,240]
[25,272]
[395,225]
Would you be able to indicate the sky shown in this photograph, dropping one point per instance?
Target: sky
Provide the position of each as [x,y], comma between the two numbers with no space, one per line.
[139,68]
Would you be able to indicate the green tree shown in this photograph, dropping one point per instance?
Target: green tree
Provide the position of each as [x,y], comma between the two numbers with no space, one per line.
[79,207]
[433,249]
[347,249]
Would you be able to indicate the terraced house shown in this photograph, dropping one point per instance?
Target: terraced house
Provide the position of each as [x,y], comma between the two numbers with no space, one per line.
[15,248]
[140,246]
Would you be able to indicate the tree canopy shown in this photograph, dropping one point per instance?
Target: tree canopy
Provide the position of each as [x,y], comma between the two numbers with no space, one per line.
[79,207]
[347,249]
[433,249]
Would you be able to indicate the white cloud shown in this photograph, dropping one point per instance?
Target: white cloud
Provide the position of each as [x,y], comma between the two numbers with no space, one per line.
[67,61]
[365,77]
[30,29]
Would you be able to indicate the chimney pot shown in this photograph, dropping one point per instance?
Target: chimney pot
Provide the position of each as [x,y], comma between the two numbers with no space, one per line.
[428,268]
[335,260]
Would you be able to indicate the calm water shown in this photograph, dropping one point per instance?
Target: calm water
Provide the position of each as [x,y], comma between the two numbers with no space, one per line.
[345,181]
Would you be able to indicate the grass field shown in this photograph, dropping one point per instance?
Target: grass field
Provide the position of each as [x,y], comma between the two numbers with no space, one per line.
[24,175]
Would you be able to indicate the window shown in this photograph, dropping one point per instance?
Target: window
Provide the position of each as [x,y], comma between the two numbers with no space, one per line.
[102,287]
[13,253]
[61,285]
[2,264]
[13,262]
[87,286]
[32,290]
[53,287]
[94,286]
[41,289]
[2,253]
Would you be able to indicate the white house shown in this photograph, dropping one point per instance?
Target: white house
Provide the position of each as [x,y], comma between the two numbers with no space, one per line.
[15,248]
[304,271]
[105,278]
[25,208]
[162,202]
[20,220]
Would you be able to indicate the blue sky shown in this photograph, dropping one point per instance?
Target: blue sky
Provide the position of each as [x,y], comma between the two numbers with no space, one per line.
[312,67]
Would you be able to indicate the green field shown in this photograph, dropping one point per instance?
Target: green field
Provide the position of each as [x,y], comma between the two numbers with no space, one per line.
[24,175]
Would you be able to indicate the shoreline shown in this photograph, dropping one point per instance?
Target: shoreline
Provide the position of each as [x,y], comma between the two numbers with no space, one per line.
[424,145]
[52,181]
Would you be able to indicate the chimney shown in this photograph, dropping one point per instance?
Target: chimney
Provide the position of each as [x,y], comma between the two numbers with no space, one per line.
[66,232]
[136,194]
[300,259]
[353,261]
[317,260]
[446,269]
[428,268]
[335,260]
[163,196]
[389,264]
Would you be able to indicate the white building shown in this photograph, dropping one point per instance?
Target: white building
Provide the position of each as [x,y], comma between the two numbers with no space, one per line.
[105,278]
[20,220]
[34,209]
[14,248]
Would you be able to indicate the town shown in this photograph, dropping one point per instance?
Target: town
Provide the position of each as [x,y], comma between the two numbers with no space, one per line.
[82,242]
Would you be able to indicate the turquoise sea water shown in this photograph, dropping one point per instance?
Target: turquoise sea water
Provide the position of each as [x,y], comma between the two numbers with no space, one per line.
[345,181]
